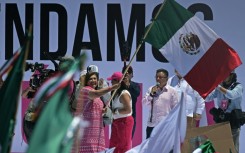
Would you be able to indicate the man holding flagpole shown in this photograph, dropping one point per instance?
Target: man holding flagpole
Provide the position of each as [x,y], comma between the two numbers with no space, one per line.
[194,49]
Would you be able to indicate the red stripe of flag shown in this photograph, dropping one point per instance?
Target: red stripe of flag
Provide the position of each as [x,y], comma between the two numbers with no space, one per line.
[213,68]
[8,65]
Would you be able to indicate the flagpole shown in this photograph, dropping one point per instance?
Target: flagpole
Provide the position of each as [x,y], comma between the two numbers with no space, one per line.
[138,48]
[29,35]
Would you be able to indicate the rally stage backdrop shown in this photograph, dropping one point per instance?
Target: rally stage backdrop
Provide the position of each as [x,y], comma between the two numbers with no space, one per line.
[101,28]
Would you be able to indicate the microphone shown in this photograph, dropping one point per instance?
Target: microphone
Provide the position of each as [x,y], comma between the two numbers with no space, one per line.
[157,85]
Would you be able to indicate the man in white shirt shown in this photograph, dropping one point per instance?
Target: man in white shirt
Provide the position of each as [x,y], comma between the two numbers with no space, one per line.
[195,104]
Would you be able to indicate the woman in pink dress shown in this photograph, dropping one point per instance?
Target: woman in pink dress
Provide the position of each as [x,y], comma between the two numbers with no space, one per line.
[90,106]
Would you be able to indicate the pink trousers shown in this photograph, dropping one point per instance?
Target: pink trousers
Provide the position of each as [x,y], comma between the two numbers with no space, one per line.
[121,134]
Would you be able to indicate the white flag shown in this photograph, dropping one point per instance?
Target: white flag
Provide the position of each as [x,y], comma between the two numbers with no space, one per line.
[168,134]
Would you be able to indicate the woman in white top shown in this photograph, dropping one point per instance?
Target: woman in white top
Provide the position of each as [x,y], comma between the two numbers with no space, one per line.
[123,122]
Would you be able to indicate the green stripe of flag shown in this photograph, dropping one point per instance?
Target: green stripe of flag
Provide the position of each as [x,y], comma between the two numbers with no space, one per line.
[171,18]
[50,132]
[9,98]
[52,126]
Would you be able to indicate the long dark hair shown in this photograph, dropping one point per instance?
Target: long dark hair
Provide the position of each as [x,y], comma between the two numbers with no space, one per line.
[119,90]
[87,77]
[233,79]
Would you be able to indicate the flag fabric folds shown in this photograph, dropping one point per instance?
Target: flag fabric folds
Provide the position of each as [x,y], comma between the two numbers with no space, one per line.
[55,127]
[52,126]
[9,64]
[168,134]
[10,93]
[195,50]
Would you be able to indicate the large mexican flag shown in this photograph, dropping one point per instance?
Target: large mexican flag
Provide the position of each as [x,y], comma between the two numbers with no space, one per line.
[195,50]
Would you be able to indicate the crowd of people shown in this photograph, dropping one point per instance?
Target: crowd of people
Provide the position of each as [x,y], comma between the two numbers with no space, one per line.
[94,96]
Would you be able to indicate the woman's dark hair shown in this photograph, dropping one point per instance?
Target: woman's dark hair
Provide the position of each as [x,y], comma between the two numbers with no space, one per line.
[87,77]
[119,90]
[233,79]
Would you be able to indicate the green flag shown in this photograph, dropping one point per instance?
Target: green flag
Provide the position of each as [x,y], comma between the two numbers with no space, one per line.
[55,127]
[52,126]
[9,96]
[207,147]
